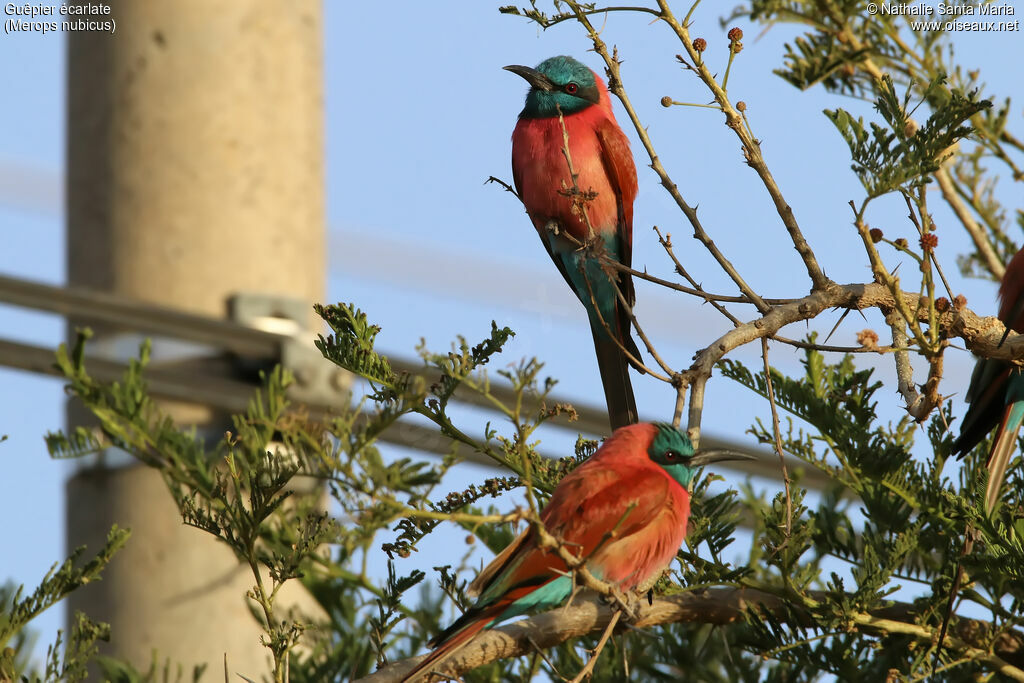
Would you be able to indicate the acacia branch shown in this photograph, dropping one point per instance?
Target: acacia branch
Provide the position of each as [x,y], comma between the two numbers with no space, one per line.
[548,22]
[981,335]
[718,606]
[615,86]
[666,243]
[751,149]
[700,292]
[977,233]
[904,370]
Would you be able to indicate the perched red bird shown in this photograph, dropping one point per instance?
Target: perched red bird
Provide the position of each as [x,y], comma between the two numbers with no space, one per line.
[996,392]
[637,484]
[996,395]
[604,166]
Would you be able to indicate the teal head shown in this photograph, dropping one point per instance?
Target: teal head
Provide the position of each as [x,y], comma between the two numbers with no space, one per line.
[672,449]
[558,83]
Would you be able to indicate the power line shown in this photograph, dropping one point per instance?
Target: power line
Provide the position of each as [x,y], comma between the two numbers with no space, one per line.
[186,382]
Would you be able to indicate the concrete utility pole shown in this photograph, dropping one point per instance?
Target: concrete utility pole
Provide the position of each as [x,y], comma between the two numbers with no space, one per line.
[195,172]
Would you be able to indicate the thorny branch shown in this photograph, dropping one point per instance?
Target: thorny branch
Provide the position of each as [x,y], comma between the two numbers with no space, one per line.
[616,87]
[981,334]
[917,320]
[751,148]
[666,243]
[910,315]
[710,606]
[693,380]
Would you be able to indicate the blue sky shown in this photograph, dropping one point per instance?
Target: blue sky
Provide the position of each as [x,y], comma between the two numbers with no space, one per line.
[419,114]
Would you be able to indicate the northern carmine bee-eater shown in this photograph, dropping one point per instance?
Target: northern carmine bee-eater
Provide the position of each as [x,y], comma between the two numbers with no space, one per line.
[996,392]
[606,175]
[636,484]
[996,395]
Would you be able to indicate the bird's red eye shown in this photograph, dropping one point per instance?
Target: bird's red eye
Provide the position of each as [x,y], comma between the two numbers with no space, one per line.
[671,455]
[571,88]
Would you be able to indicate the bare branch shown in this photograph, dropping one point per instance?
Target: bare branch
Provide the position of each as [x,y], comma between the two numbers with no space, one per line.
[666,243]
[751,149]
[589,666]
[694,291]
[615,86]
[904,370]
[977,233]
[981,335]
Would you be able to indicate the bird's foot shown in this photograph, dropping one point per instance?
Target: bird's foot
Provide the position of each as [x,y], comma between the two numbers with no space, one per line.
[628,603]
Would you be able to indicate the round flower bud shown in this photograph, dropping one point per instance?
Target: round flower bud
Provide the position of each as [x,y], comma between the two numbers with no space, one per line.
[868,339]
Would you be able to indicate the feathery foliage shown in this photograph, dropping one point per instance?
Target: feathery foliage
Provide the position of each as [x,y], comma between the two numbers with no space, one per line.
[900,154]
[851,581]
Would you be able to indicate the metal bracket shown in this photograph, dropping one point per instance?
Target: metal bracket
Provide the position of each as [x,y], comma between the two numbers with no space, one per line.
[317,380]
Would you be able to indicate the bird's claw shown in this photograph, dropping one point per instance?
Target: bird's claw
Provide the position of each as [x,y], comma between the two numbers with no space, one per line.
[627,603]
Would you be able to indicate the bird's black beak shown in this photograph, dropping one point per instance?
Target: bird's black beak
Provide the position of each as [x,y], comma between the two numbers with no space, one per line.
[702,458]
[535,78]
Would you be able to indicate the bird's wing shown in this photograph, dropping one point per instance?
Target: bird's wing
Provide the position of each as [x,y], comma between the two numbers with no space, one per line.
[1002,450]
[618,165]
[1011,294]
[621,171]
[587,504]
[616,526]
[987,397]
[487,574]
[991,379]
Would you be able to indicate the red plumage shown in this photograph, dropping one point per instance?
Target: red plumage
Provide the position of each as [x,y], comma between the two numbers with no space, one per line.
[995,384]
[1011,293]
[596,496]
[618,488]
[603,163]
[604,167]
[996,397]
